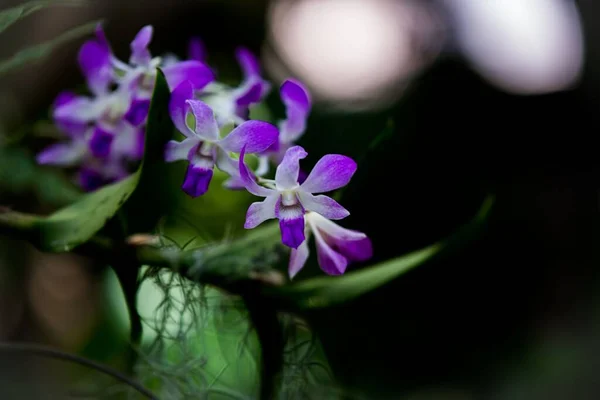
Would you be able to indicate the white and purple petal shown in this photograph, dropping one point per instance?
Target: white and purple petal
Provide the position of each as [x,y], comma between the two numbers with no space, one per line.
[254,136]
[94,59]
[330,261]
[331,172]
[249,180]
[175,151]
[259,212]
[129,142]
[205,123]
[353,245]
[298,258]
[63,154]
[178,107]
[140,55]
[248,62]
[67,125]
[79,109]
[297,101]
[196,72]
[286,175]
[323,205]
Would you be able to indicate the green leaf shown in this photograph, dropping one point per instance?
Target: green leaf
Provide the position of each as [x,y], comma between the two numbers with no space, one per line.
[11,15]
[329,291]
[78,222]
[39,51]
[150,200]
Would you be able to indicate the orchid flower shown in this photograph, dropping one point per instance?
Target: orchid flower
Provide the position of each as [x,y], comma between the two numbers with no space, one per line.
[231,105]
[203,147]
[288,200]
[336,246]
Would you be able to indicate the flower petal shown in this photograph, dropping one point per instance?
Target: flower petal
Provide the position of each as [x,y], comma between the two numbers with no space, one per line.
[323,205]
[254,136]
[178,107]
[101,142]
[81,109]
[249,181]
[298,258]
[330,261]
[196,72]
[331,172]
[139,46]
[94,61]
[196,49]
[129,142]
[175,150]
[67,125]
[354,250]
[63,154]
[206,125]
[248,62]
[246,95]
[297,102]
[260,211]
[138,111]
[291,223]
[234,183]
[286,175]
[196,180]
[353,245]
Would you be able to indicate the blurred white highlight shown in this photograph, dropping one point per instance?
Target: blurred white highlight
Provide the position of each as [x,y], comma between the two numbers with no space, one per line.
[521,46]
[350,51]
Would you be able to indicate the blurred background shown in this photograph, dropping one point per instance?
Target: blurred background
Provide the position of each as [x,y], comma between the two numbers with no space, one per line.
[473,97]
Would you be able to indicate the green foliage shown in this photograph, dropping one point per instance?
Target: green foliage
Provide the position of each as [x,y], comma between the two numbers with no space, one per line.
[42,50]
[11,15]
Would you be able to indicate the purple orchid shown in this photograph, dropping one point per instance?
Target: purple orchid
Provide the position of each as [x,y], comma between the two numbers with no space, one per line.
[231,105]
[203,147]
[288,200]
[336,246]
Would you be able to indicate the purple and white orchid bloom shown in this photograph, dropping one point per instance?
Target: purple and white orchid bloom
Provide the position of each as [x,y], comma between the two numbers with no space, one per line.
[203,147]
[336,246]
[288,201]
[231,105]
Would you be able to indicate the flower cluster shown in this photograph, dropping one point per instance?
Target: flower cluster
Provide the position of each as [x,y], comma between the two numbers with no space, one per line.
[107,129]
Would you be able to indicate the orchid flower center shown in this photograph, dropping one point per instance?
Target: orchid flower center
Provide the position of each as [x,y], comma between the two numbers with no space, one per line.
[115,108]
[289,198]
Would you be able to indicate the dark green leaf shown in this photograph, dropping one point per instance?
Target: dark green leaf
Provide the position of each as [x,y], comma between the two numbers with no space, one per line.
[77,223]
[11,15]
[147,205]
[39,51]
[328,291]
